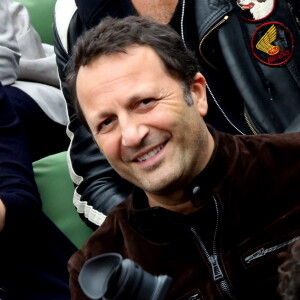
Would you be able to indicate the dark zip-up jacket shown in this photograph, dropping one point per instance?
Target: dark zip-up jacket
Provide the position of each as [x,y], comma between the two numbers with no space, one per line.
[249,211]
[238,83]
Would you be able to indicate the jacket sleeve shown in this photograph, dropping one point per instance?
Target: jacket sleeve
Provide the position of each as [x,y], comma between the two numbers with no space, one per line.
[295,4]
[9,49]
[98,188]
[18,190]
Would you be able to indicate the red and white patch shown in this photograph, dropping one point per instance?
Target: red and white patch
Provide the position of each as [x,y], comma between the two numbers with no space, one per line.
[255,10]
[272,44]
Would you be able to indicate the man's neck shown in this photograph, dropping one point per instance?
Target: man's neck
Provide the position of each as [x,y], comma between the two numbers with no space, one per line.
[160,11]
[179,203]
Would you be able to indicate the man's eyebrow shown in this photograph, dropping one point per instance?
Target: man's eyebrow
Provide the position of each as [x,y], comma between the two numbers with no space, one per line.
[101,116]
[135,98]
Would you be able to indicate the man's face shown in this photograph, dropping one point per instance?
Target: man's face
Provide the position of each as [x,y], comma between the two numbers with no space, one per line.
[141,122]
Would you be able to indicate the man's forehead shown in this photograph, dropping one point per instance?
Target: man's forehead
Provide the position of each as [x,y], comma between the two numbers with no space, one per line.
[107,69]
[133,54]
[133,74]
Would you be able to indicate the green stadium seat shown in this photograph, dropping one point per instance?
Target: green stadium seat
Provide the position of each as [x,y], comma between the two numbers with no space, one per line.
[41,16]
[56,191]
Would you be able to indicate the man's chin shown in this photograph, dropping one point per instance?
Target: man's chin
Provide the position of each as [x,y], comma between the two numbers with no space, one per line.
[163,187]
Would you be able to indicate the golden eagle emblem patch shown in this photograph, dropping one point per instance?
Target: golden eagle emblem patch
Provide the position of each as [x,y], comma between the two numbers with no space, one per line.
[272,44]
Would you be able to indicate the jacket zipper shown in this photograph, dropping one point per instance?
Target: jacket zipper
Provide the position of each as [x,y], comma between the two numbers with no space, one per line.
[262,252]
[250,123]
[213,258]
[200,51]
[181,23]
[225,18]
[194,297]
[222,111]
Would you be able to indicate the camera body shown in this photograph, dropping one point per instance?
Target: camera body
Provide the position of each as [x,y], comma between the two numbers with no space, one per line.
[110,277]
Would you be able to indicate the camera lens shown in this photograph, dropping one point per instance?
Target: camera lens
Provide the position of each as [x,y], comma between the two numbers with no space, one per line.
[111,277]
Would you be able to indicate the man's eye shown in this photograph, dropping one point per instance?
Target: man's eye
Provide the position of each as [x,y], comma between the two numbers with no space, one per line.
[145,102]
[106,122]
[105,125]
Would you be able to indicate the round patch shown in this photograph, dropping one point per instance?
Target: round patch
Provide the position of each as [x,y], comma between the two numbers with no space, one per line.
[255,10]
[272,44]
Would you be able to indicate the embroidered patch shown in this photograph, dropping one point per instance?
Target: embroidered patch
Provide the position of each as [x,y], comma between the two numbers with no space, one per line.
[255,10]
[272,44]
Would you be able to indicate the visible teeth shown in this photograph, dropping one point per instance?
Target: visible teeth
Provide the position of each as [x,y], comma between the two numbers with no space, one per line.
[150,154]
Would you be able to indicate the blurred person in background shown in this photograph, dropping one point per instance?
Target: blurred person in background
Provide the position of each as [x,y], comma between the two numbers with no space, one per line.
[29,76]
[33,251]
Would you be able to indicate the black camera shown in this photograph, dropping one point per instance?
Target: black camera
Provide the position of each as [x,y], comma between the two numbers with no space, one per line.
[110,277]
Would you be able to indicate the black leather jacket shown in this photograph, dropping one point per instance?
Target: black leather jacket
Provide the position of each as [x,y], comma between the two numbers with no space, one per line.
[246,92]
[268,83]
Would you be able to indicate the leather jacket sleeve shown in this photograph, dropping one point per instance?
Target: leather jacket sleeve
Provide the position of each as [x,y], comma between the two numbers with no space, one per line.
[98,188]
[296,8]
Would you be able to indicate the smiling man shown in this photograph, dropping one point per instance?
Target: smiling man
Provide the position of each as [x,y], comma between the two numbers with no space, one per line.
[139,119]
[209,209]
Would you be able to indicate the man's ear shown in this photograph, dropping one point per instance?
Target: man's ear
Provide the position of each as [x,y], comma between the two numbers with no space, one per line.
[198,92]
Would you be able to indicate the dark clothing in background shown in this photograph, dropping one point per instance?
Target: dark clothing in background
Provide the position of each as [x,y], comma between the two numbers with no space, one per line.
[43,135]
[33,252]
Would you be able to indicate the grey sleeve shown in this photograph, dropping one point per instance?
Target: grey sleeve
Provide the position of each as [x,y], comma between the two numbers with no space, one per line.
[9,50]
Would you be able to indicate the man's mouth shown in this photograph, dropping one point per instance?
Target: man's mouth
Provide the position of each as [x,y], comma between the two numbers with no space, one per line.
[150,153]
[246,6]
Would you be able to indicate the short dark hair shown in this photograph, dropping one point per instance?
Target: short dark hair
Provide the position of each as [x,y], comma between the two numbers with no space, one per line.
[115,35]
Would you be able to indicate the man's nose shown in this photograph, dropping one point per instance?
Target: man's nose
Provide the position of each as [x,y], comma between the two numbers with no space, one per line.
[133,133]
